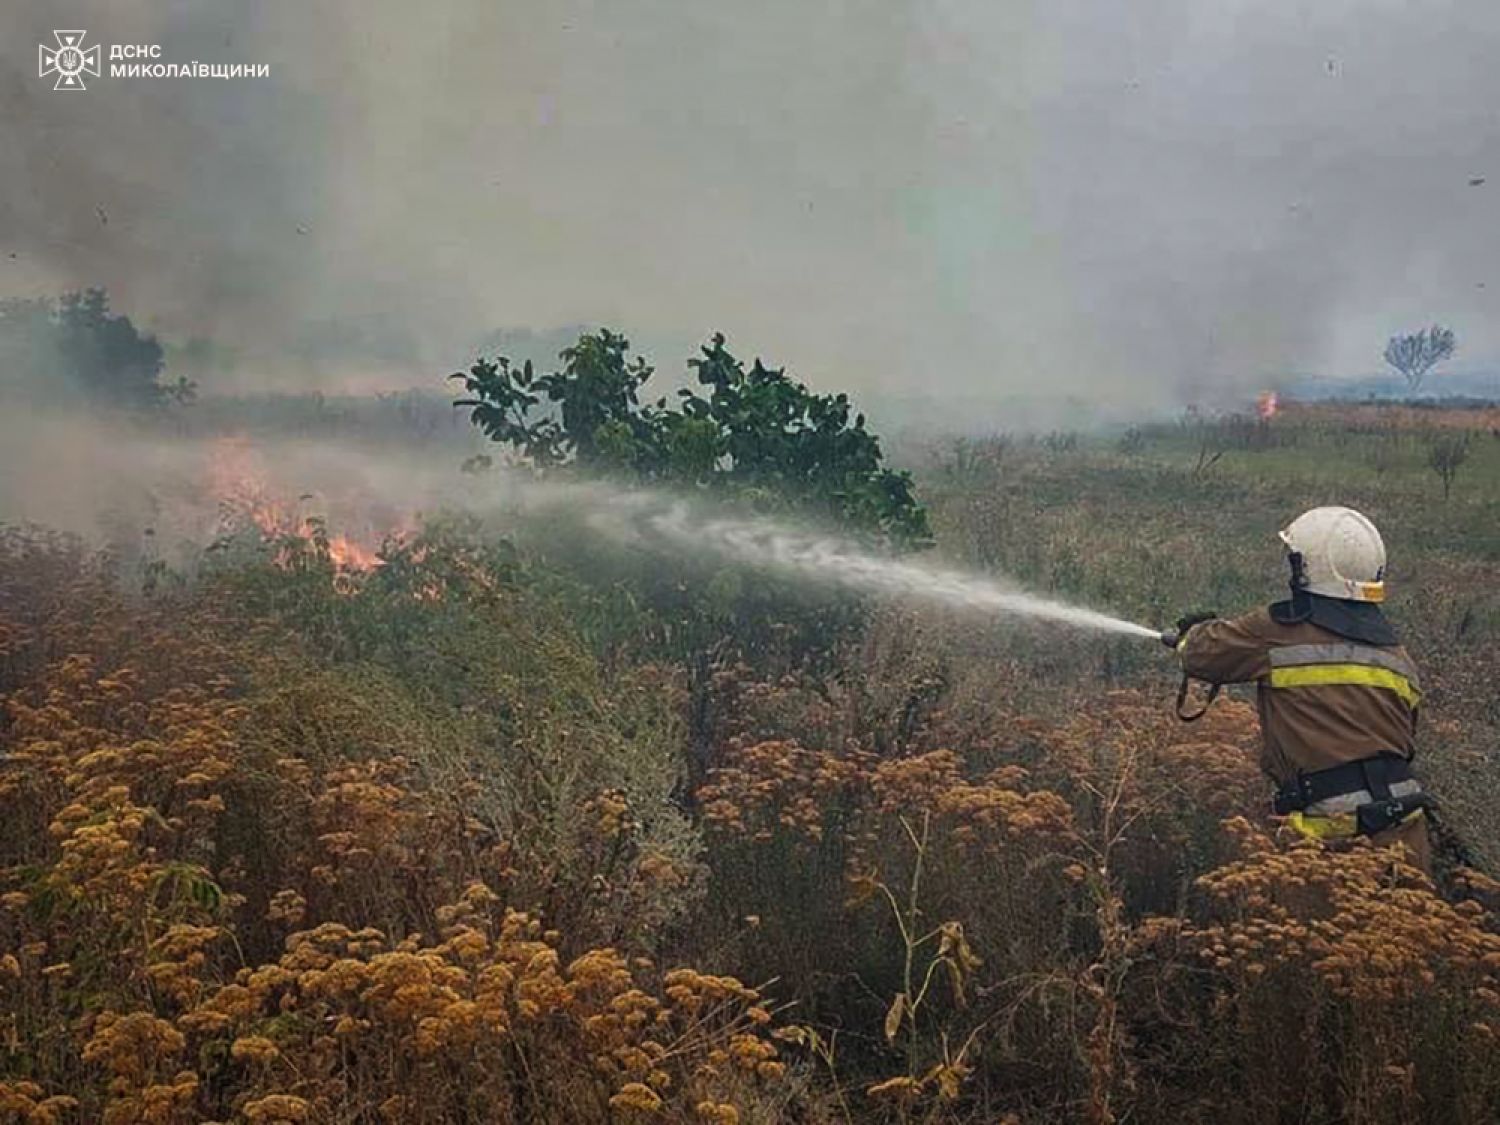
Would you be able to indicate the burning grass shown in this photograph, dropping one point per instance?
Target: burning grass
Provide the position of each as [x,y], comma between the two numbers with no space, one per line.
[245,500]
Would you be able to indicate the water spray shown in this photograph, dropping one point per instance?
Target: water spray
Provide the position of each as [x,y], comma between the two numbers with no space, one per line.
[652,521]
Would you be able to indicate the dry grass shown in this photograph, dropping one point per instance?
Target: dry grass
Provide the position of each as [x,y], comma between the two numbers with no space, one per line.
[403,849]
[205,918]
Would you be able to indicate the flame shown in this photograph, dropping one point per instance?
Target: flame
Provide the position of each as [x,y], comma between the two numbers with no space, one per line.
[245,497]
[1266,405]
[350,555]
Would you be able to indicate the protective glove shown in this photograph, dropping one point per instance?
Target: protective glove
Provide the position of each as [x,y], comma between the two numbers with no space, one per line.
[1173,636]
[1187,621]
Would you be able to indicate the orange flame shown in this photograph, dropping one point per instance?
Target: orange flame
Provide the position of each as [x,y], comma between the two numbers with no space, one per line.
[1266,405]
[241,488]
[349,555]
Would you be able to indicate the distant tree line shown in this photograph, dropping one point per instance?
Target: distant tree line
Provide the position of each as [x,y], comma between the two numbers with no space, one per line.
[74,345]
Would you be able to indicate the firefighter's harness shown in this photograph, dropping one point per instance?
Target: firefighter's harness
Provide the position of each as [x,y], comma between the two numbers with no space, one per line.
[1359,798]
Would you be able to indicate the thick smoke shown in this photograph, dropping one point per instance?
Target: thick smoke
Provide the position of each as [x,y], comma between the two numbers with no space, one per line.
[947,204]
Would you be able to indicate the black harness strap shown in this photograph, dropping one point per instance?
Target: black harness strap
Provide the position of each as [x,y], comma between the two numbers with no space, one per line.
[1376,781]
[1375,775]
[1182,694]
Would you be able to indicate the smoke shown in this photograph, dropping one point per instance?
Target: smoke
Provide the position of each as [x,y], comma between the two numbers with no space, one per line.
[942,207]
[150,495]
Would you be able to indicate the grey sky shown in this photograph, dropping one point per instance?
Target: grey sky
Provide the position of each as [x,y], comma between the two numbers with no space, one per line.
[960,199]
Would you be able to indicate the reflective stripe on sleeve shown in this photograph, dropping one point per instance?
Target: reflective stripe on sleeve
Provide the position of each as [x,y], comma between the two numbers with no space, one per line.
[1364,675]
[1290,656]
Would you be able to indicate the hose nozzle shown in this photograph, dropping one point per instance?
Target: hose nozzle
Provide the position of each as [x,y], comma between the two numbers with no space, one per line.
[1173,637]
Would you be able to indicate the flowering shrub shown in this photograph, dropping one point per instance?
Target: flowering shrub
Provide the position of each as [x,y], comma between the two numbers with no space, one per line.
[1128,941]
[402,851]
[225,896]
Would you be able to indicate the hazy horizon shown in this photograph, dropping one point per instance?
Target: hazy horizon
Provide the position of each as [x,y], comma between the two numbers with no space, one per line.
[970,202]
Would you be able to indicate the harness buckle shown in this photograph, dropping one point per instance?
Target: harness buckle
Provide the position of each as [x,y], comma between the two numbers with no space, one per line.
[1379,816]
[1292,797]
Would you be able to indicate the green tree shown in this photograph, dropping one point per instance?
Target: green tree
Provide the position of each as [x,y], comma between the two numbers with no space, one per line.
[753,438]
[75,341]
[755,433]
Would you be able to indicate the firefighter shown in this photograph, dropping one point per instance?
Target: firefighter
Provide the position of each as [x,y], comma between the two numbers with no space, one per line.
[1336,692]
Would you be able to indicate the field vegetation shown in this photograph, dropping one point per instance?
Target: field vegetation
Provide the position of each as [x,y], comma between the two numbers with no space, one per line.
[482,834]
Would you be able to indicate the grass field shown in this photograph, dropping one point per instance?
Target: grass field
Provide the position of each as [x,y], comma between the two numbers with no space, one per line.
[1185,516]
[1169,518]
[471,837]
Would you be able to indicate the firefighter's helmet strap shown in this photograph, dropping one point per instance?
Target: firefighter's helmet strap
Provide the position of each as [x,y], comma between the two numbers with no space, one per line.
[1298,580]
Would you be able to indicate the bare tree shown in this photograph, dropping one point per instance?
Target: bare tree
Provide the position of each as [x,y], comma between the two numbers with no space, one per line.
[1445,453]
[1417,354]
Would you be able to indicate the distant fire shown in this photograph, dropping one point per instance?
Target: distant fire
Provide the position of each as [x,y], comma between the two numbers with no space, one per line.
[241,488]
[1265,405]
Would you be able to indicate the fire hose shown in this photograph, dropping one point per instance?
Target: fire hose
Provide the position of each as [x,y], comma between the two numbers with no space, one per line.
[1173,638]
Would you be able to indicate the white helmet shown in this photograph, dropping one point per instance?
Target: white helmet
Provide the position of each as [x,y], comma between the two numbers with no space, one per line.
[1337,553]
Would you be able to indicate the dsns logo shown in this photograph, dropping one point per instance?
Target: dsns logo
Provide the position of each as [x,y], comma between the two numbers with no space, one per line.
[69,60]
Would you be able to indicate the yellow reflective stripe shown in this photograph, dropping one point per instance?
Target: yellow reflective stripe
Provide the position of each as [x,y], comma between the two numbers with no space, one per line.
[1285,656]
[1336,826]
[1365,675]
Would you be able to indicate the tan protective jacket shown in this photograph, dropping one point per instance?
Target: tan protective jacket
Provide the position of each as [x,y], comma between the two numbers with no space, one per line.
[1323,699]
